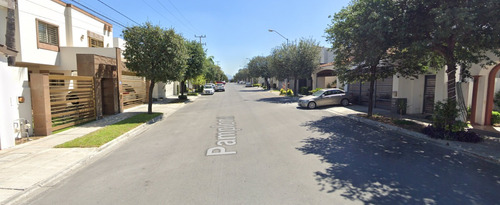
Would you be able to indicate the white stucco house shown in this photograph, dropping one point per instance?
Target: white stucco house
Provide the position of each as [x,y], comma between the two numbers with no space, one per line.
[48,34]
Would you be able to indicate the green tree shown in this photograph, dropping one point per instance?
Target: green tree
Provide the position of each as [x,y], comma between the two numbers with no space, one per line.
[459,32]
[259,67]
[157,54]
[242,75]
[214,72]
[295,60]
[363,37]
[194,63]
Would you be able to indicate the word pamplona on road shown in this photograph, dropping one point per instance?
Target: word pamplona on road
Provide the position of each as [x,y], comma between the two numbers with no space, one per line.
[226,136]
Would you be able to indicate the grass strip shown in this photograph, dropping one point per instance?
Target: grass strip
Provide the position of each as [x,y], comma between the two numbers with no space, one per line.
[108,133]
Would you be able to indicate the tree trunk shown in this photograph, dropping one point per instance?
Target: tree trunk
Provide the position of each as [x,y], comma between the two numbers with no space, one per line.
[150,96]
[268,85]
[371,91]
[295,86]
[183,86]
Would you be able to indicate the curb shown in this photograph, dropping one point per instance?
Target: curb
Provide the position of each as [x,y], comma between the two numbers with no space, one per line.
[93,155]
[451,145]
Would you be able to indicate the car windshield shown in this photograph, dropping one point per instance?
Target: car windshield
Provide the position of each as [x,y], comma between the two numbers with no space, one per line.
[318,93]
[208,86]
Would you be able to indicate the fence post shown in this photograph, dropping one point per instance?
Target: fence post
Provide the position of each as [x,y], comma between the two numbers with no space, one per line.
[40,101]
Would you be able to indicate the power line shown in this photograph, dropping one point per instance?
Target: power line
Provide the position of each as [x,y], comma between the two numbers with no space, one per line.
[99,13]
[157,11]
[178,11]
[180,21]
[118,12]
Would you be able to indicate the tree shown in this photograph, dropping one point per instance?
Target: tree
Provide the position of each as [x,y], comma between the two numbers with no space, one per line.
[459,32]
[364,41]
[214,72]
[259,67]
[194,63]
[242,75]
[295,60]
[154,53]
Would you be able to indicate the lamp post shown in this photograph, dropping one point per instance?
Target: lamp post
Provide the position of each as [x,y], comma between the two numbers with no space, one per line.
[271,30]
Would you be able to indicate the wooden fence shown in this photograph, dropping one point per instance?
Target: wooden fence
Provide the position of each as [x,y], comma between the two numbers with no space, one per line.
[72,100]
[134,91]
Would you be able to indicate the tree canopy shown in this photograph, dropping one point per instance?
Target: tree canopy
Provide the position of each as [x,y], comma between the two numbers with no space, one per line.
[195,63]
[452,33]
[362,35]
[157,54]
[295,60]
[259,67]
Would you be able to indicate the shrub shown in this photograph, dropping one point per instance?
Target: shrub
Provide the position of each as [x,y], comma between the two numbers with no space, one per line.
[199,89]
[495,117]
[192,94]
[304,90]
[445,115]
[282,91]
[462,136]
[496,100]
[183,97]
[256,85]
[315,90]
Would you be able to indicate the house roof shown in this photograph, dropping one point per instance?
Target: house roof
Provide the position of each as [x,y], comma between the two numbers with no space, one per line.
[107,25]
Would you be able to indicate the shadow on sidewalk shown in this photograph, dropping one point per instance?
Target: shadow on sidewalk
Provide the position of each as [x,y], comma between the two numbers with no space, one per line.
[381,167]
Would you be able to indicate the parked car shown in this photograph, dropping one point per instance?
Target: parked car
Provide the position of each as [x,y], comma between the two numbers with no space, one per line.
[333,96]
[220,87]
[249,84]
[208,90]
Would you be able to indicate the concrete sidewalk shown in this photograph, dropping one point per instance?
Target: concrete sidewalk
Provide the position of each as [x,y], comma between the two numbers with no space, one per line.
[35,164]
[488,150]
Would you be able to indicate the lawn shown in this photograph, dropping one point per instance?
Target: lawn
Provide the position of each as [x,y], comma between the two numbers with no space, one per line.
[108,133]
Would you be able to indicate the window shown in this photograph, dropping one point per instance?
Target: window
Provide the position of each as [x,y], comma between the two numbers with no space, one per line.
[48,36]
[95,43]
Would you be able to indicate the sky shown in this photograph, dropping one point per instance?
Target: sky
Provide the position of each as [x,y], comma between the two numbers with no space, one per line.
[235,30]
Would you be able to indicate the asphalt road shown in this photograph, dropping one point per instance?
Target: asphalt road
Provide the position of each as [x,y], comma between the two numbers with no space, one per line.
[265,150]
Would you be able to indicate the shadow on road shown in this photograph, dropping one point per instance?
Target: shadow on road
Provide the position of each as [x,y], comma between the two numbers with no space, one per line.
[253,91]
[381,167]
[279,100]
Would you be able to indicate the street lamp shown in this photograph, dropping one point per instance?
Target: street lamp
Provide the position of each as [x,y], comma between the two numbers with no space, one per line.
[271,30]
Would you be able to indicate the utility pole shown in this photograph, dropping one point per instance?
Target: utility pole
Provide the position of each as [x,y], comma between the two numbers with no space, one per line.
[201,36]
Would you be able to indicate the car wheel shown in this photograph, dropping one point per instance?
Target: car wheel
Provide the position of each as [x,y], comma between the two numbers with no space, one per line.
[311,105]
[344,102]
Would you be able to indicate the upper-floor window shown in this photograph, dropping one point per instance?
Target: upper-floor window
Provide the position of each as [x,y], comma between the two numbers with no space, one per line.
[47,35]
[95,43]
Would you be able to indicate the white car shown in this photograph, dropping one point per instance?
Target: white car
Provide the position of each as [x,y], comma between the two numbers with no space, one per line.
[208,90]
[220,87]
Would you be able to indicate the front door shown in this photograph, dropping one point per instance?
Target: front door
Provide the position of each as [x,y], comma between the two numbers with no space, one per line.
[429,92]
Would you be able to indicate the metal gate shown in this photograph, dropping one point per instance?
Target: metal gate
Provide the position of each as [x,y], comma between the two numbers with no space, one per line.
[429,92]
[382,93]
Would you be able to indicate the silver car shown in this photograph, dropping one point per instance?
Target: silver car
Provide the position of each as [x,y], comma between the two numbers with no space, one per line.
[333,96]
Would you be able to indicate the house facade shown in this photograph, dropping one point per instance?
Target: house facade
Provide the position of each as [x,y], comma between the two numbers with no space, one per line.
[54,38]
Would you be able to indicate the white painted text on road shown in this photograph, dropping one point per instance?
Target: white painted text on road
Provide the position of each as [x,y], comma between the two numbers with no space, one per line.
[226,136]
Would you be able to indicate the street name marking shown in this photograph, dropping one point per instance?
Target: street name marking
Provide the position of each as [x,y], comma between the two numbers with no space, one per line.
[226,136]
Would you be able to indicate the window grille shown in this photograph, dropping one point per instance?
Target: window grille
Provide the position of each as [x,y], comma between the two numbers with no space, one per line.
[95,43]
[48,34]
